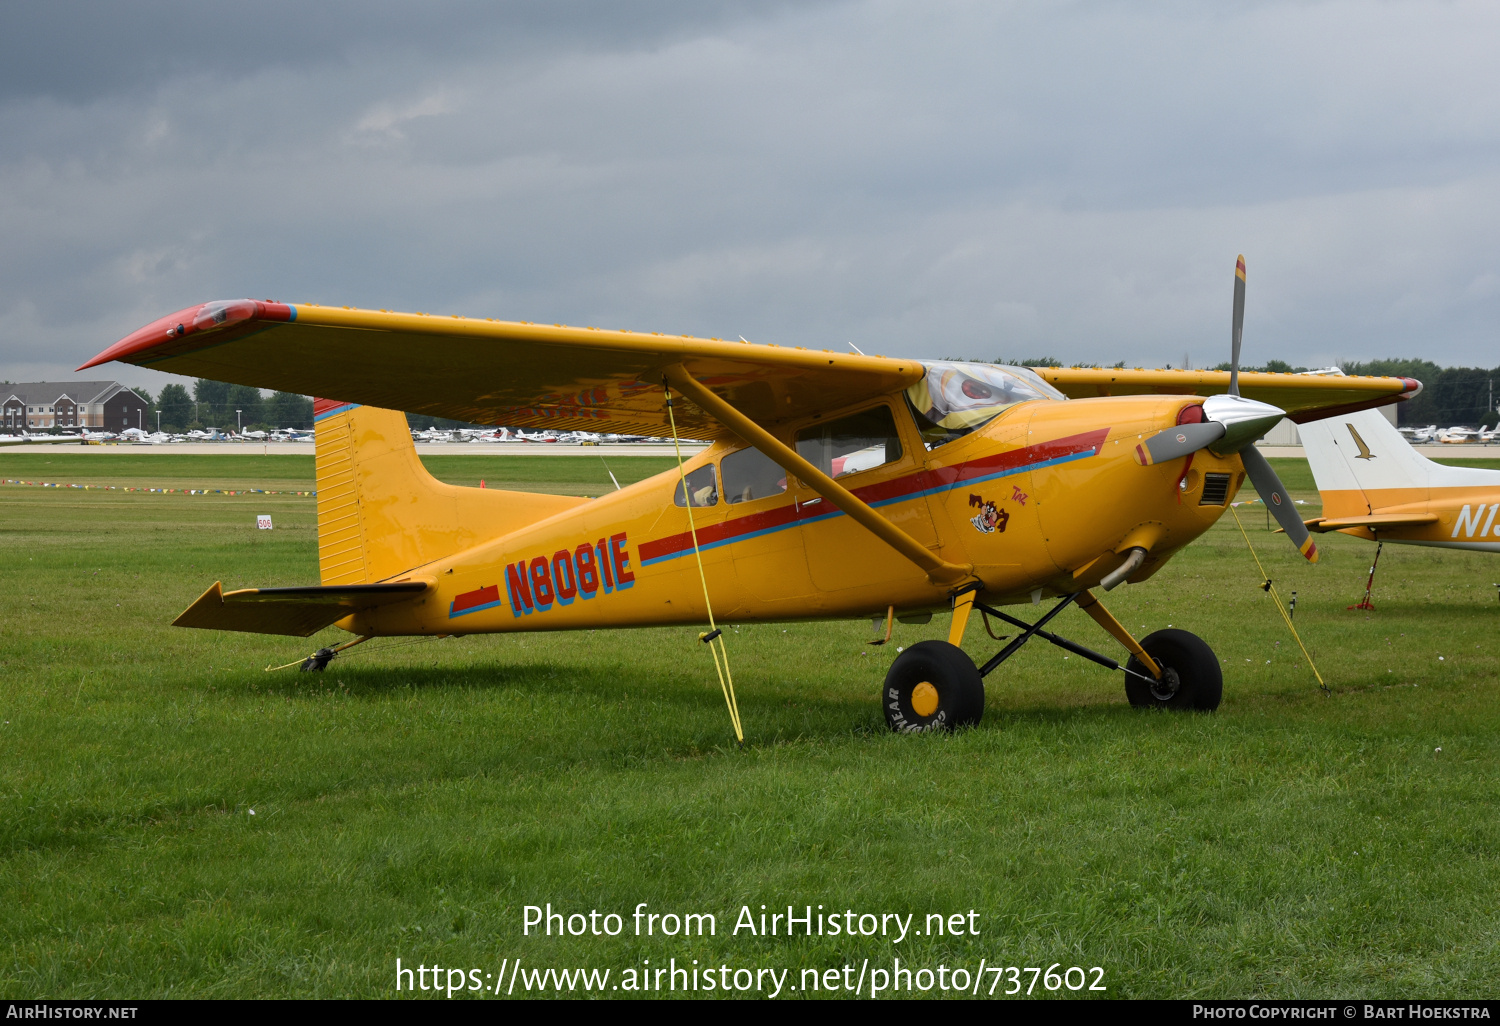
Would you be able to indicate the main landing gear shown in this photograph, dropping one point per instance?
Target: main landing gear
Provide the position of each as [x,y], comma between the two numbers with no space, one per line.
[934,685]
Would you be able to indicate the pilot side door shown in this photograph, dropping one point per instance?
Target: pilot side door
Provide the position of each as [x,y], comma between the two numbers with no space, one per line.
[867,453]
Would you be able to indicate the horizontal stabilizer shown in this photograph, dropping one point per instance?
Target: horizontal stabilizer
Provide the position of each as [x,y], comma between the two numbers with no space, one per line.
[1322,525]
[296,611]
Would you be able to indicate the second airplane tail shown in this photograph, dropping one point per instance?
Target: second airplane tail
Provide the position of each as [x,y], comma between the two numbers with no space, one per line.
[1361,463]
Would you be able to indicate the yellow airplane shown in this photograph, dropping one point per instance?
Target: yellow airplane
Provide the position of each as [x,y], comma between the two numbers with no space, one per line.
[835,486]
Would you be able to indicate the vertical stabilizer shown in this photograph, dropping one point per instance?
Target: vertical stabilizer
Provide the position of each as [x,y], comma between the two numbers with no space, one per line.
[381,514]
[1362,463]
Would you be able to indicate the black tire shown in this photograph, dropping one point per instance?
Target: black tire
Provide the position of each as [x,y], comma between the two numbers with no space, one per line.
[1191,677]
[926,667]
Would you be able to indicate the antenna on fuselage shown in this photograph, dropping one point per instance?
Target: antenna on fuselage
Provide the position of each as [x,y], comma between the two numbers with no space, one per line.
[856,348]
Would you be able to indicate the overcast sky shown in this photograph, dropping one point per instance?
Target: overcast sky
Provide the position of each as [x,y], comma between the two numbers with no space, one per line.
[921,179]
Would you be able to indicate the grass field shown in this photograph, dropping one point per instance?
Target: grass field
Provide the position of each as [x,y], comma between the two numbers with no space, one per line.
[412,800]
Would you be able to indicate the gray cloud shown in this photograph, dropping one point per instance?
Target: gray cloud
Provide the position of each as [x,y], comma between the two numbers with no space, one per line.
[934,179]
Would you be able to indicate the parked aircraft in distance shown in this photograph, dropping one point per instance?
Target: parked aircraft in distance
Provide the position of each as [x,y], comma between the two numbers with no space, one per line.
[25,439]
[1458,436]
[1420,436]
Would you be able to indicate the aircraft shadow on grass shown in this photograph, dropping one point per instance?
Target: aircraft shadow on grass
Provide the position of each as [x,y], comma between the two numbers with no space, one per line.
[768,715]
[546,679]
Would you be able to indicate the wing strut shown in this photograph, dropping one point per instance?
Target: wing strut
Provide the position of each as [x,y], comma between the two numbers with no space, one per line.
[938,571]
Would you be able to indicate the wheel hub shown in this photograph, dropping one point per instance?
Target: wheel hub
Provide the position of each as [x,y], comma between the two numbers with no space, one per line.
[1165,689]
[924,699]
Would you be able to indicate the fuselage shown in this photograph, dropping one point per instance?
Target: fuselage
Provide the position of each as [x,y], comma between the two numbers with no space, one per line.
[1043,498]
[1465,515]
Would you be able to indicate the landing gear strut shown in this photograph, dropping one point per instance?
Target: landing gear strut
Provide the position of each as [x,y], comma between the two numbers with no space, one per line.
[934,685]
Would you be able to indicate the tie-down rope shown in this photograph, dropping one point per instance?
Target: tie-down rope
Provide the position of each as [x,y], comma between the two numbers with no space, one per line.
[713,634]
[1271,589]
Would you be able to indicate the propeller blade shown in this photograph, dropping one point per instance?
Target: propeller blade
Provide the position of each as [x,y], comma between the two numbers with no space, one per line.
[1177,442]
[1239,326]
[1273,493]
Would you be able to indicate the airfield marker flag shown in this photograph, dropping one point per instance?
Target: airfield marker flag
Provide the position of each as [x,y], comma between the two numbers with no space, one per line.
[726,681]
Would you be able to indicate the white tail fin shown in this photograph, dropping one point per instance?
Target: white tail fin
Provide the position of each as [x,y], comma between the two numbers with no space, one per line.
[1360,463]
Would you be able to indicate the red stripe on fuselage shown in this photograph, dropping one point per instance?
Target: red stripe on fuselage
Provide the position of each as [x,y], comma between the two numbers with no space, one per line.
[470,599]
[911,485]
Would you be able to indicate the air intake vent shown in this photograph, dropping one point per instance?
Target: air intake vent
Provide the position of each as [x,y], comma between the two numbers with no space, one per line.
[1215,490]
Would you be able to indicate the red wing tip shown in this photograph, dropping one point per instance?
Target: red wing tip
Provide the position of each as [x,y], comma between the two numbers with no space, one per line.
[191,320]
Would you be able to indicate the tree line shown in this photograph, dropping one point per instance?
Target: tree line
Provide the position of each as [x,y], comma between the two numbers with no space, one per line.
[1451,396]
[213,404]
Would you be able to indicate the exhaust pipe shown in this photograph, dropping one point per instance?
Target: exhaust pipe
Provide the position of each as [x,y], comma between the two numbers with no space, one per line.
[1116,577]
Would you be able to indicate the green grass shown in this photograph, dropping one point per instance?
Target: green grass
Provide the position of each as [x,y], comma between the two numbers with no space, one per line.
[410,801]
[563,475]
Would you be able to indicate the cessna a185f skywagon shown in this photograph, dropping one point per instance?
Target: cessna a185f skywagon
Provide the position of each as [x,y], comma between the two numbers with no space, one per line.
[836,485]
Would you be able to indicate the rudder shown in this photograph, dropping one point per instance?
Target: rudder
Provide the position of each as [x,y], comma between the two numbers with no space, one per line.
[380,513]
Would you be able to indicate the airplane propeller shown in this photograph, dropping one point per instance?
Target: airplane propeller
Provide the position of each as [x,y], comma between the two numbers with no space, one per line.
[1233,424]
[1239,325]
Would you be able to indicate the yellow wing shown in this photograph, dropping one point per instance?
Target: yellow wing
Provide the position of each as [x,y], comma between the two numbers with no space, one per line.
[1304,397]
[500,372]
[548,375]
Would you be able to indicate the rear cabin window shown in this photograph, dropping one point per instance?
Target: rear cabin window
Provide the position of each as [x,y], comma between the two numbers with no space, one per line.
[701,487]
[850,444]
[751,474]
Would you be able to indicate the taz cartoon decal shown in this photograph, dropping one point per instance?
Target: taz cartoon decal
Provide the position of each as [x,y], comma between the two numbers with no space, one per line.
[989,519]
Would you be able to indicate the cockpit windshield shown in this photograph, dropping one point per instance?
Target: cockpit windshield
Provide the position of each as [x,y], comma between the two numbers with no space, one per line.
[954,399]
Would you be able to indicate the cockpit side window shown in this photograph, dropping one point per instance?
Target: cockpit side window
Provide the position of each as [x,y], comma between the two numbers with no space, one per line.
[701,488]
[750,474]
[850,444]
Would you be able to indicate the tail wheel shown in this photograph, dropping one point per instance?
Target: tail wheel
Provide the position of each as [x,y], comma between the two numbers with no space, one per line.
[1191,678]
[932,686]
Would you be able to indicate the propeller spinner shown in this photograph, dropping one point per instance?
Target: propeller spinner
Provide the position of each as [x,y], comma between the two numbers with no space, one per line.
[1233,424]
